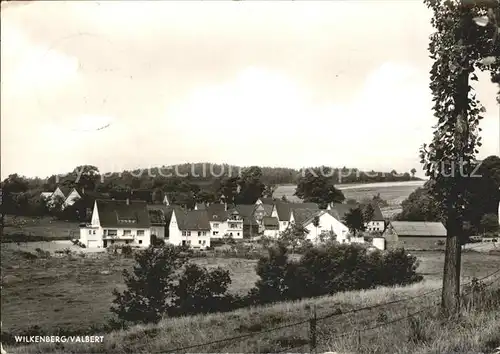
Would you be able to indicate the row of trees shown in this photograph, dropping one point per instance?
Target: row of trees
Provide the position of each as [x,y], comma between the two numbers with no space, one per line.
[164,283]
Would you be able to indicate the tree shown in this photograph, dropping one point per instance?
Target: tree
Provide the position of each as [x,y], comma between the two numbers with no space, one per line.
[353,219]
[294,236]
[317,186]
[269,191]
[229,189]
[458,47]
[368,212]
[489,223]
[151,285]
[86,177]
[251,186]
[413,171]
[201,290]
[420,206]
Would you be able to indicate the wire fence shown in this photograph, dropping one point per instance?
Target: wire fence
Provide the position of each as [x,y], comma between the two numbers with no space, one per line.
[314,319]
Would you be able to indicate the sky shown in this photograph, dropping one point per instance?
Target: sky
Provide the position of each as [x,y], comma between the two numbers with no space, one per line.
[122,85]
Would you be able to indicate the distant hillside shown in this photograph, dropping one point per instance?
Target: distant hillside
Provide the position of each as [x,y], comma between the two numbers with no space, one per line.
[202,173]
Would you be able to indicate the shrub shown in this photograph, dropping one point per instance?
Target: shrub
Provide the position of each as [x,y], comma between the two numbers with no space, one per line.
[201,291]
[329,269]
[150,286]
[127,251]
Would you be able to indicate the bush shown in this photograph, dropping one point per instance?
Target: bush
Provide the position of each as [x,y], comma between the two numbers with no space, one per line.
[127,251]
[163,283]
[329,269]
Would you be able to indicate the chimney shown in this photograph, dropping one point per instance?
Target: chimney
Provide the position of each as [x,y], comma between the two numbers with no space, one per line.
[127,201]
[225,206]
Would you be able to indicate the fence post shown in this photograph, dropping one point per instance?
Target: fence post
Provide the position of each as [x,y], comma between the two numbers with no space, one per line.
[312,330]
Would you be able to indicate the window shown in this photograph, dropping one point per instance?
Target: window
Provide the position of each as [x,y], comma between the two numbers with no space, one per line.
[203,242]
[188,242]
[140,232]
[188,233]
[238,234]
[126,242]
[112,242]
[216,233]
[112,232]
[199,233]
[93,232]
[140,241]
[183,234]
[184,243]
[216,225]
[127,232]
[204,233]
[199,242]
[233,226]
[90,232]
[105,232]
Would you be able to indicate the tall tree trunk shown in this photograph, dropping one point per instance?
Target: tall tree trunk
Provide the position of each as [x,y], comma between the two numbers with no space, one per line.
[451,278]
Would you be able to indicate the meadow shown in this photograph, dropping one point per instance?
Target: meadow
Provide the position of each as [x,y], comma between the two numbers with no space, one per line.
[45,227]
[393,192]
[56,291]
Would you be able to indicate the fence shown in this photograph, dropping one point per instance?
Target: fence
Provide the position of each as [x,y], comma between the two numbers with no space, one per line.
[312,341]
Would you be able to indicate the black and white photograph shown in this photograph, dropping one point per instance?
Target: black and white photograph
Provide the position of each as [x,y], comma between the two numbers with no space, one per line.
[250,176]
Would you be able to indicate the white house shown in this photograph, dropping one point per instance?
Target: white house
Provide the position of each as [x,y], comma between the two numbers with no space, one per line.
[377,223]
[283,212]
[271,226]
[117,222]
[326,222]
[190,228]
[223,222]
[60,192]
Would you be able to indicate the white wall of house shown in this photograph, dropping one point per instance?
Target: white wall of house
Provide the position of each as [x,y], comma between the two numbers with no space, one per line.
[375,226]
[137,237]
[283,224]
[194,238]
[72,198]
[218,229]
[59,193]
[327,223]
[93,235]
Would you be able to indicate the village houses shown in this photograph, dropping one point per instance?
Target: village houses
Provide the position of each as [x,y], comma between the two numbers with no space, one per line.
[138,222]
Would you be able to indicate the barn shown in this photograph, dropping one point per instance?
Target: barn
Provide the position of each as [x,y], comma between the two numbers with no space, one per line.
[415,235]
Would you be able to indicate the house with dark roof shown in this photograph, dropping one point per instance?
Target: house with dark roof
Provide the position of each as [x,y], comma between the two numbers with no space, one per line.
[377,223]
[271,226]
[61,192]
[190,228]
[415,235]
[224,222]
[283,212]
[117,222]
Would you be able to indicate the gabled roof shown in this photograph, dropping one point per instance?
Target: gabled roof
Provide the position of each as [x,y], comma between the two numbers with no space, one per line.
[64,189]
[268,209]
[377,213]
[418,228]
[338,210]
[300,216]
[245,210]
[217,212]
[285,209]
[117,213]
[193,220]
[267,201]
[268,221]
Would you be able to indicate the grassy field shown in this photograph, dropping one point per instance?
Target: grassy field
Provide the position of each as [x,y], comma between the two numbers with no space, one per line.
[54,292]
[394,328]
[46,227]
[393,193]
